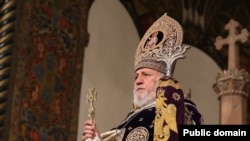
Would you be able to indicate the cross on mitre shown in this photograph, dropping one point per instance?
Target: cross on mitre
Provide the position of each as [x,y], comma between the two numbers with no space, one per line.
[233,53]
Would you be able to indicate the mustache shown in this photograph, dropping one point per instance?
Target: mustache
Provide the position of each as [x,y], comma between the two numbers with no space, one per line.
[139,87]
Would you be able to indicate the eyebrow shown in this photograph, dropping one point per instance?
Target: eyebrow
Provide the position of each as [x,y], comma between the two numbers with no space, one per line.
[143,72]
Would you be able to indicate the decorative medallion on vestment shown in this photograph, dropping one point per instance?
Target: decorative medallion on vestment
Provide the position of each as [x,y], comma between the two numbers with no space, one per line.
[138,134]
[176,96]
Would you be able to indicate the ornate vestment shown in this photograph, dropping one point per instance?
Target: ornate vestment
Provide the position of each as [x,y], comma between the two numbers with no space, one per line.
[157,121]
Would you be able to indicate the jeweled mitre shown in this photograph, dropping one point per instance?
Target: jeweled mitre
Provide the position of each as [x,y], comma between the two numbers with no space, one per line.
[161,46]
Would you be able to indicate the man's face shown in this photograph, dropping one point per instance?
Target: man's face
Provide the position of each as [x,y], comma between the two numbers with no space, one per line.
[145,86]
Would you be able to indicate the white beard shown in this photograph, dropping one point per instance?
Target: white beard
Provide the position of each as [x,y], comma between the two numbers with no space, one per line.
[144,100]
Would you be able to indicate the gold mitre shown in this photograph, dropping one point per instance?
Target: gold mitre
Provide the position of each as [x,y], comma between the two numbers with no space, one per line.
[161,46]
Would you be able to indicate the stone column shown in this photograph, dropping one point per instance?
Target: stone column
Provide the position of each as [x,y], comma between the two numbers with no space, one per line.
[232,85]
[233,89]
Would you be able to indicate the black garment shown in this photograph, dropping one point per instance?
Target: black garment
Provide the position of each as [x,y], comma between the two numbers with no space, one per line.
[149,124]
[139,122]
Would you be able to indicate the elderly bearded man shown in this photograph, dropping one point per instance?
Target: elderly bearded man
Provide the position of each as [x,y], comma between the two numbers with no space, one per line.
[159,103]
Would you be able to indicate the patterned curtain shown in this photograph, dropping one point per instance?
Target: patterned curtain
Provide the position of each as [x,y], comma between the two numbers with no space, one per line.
[40,84]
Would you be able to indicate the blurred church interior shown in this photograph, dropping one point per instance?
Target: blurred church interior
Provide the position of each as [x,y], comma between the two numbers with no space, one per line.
[53,51]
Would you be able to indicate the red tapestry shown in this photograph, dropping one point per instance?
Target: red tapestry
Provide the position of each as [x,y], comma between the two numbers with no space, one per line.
[50,41]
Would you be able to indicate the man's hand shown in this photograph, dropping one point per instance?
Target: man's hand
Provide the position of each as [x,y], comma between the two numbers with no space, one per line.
[90,130]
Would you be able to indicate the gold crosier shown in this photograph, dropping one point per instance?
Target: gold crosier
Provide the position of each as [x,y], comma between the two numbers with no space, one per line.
[91,97]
